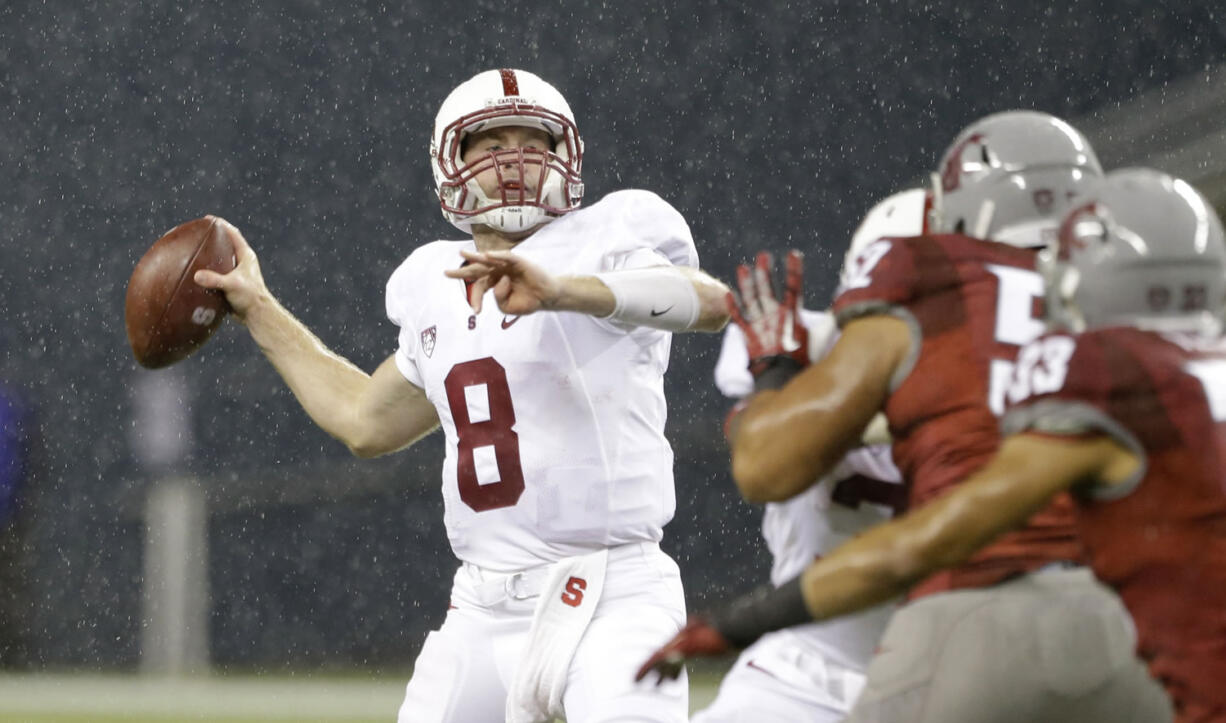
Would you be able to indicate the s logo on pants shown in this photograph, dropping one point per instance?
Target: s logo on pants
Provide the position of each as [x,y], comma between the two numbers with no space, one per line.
[572,594]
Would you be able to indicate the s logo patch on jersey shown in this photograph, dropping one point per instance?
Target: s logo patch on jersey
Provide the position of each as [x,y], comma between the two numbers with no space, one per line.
[428,337]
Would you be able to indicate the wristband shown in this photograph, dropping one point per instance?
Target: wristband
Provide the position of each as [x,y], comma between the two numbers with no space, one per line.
[773,372]
[762,611]
[660,297]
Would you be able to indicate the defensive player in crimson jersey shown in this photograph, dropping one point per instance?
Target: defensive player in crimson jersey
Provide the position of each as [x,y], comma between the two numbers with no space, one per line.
[931,327]
[1129,415]
[1132,417]
[814,672]
[971,305]
[557,480]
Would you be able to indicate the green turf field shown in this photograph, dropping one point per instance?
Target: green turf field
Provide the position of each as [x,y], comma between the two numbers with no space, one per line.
[349,698]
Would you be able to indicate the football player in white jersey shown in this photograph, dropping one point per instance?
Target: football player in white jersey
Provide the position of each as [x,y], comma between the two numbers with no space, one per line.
[557,480]
[814,672]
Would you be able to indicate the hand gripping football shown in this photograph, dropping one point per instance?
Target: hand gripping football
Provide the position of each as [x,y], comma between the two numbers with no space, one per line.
[168,315]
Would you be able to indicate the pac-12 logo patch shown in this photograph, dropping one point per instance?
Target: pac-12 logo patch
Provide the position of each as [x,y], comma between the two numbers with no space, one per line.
[428,338]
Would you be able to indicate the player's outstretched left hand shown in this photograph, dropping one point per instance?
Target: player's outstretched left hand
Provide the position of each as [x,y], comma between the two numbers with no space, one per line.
[520,286]
[698,639]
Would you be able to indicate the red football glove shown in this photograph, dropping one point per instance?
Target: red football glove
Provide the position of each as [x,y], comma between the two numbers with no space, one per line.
[774,334]
[698,639]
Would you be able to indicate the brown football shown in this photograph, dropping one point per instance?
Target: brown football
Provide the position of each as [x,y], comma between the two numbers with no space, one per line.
[169,315]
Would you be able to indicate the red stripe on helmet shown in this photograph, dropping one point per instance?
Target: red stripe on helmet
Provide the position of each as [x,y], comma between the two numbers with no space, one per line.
[510,85]
[926,223]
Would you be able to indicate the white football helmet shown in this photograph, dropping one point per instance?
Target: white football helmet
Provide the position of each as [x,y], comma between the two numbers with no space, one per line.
[493,99]
[902,214]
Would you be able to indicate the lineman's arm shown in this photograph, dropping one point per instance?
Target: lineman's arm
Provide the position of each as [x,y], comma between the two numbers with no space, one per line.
[686,299]
[370,414]
[786,439]
[1021,479]
[882,563]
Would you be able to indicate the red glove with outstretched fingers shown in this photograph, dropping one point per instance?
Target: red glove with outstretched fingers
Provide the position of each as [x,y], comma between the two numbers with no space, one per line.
[736,625]
[777,341]
[698,639]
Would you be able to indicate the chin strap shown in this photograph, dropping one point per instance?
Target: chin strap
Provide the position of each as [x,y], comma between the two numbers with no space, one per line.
[774,372]
[512,219]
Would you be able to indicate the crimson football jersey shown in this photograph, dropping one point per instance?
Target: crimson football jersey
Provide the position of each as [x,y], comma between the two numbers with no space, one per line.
[1160,539]
[971,305]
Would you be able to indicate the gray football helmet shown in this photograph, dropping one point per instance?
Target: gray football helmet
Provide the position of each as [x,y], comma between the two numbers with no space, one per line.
[1141,249]
[1010,176]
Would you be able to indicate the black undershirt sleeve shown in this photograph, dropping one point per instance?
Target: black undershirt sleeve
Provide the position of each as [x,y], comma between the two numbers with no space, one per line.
[762,611]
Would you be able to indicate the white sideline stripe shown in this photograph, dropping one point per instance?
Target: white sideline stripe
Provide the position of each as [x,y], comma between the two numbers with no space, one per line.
[273,698]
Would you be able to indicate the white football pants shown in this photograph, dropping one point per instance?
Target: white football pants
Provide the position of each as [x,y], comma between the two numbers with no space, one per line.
[466,667]
[781,678]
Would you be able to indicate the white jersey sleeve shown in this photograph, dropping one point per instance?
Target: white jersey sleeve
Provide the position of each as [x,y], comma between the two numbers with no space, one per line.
[554,421]
[657,234]
[408,340]
[732,375]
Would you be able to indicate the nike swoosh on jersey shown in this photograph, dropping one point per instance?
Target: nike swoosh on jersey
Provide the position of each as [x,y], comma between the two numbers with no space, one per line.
[507,324]
[662,311]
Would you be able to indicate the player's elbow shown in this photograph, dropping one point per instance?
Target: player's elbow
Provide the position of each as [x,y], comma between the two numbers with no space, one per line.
[766,471]
[712,320]
[918,554]
[366,443]
[756,491]
[362,452]
[365,448]
[760,482]
[380,438]
[713,315]
[903,566]
[712,302]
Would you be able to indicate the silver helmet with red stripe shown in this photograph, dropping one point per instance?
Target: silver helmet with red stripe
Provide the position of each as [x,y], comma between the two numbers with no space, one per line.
[1010,177]
[552,180]
[1141,248]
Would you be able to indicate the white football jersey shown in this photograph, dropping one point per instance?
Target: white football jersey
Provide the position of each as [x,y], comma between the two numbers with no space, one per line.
[852,498]
[554,422]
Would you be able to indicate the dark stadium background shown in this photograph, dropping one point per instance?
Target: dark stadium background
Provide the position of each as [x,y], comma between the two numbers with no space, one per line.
[307,123]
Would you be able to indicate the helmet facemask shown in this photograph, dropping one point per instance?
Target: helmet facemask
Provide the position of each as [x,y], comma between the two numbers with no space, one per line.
[1060,282]
[535,186]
